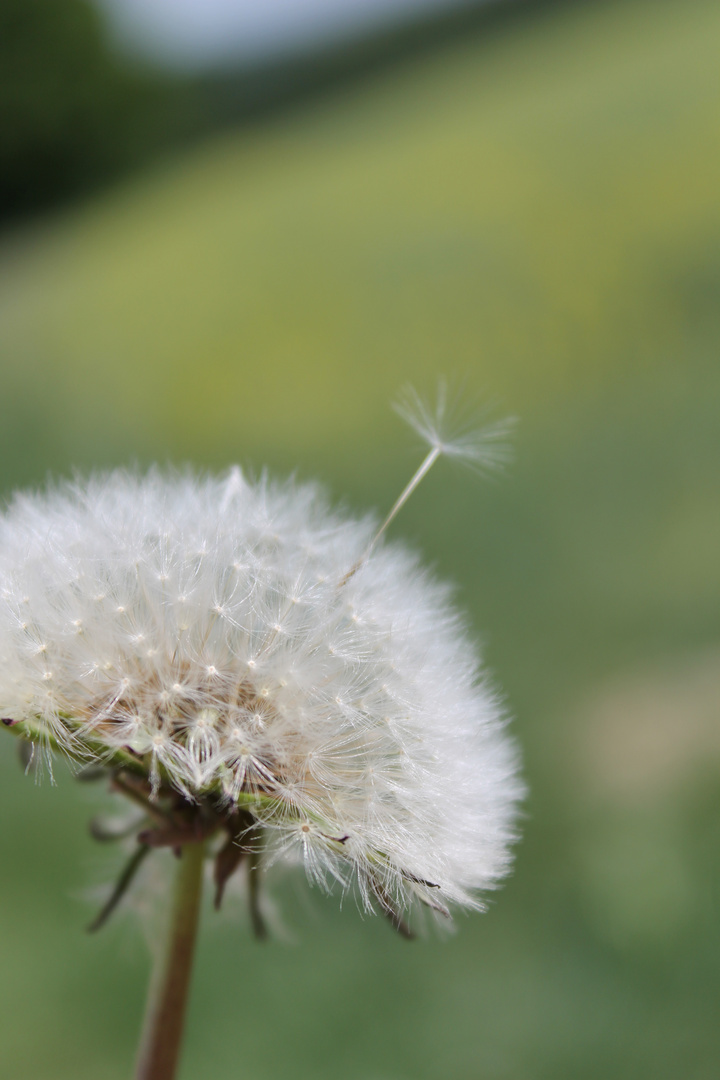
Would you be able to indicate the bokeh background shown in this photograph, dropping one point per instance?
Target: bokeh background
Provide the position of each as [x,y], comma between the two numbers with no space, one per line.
[243,259]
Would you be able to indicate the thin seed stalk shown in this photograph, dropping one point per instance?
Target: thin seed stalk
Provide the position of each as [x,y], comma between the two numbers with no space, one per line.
[167,997]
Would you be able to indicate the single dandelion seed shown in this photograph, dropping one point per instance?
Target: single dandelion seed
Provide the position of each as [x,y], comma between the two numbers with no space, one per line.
[457,431]
[448,432]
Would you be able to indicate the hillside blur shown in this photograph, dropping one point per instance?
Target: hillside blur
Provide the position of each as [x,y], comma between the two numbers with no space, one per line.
[81,107]
[534,211]
[74,116]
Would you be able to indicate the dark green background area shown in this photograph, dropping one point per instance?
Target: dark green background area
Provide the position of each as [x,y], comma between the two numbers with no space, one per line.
[536,213]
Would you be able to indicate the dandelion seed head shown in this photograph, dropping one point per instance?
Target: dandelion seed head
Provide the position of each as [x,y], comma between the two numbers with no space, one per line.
[209,626]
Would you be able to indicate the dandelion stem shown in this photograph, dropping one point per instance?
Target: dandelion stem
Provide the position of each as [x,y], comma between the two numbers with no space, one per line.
[167,998]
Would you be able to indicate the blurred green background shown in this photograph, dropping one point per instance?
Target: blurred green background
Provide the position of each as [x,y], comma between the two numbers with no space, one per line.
[533,209]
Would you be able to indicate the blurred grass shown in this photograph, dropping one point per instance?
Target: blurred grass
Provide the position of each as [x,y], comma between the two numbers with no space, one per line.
[537,212]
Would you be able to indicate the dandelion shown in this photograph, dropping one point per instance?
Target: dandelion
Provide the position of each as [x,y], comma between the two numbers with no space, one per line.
[266,680]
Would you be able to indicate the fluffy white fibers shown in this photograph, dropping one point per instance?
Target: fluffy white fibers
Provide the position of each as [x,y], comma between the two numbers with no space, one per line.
[233,639]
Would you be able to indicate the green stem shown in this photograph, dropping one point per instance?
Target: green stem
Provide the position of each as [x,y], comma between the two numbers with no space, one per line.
[165,1011]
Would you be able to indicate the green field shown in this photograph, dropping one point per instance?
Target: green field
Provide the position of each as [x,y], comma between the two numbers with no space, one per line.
[535,213]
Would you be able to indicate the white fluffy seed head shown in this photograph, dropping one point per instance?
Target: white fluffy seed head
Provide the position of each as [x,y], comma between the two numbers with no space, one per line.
[209,628]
